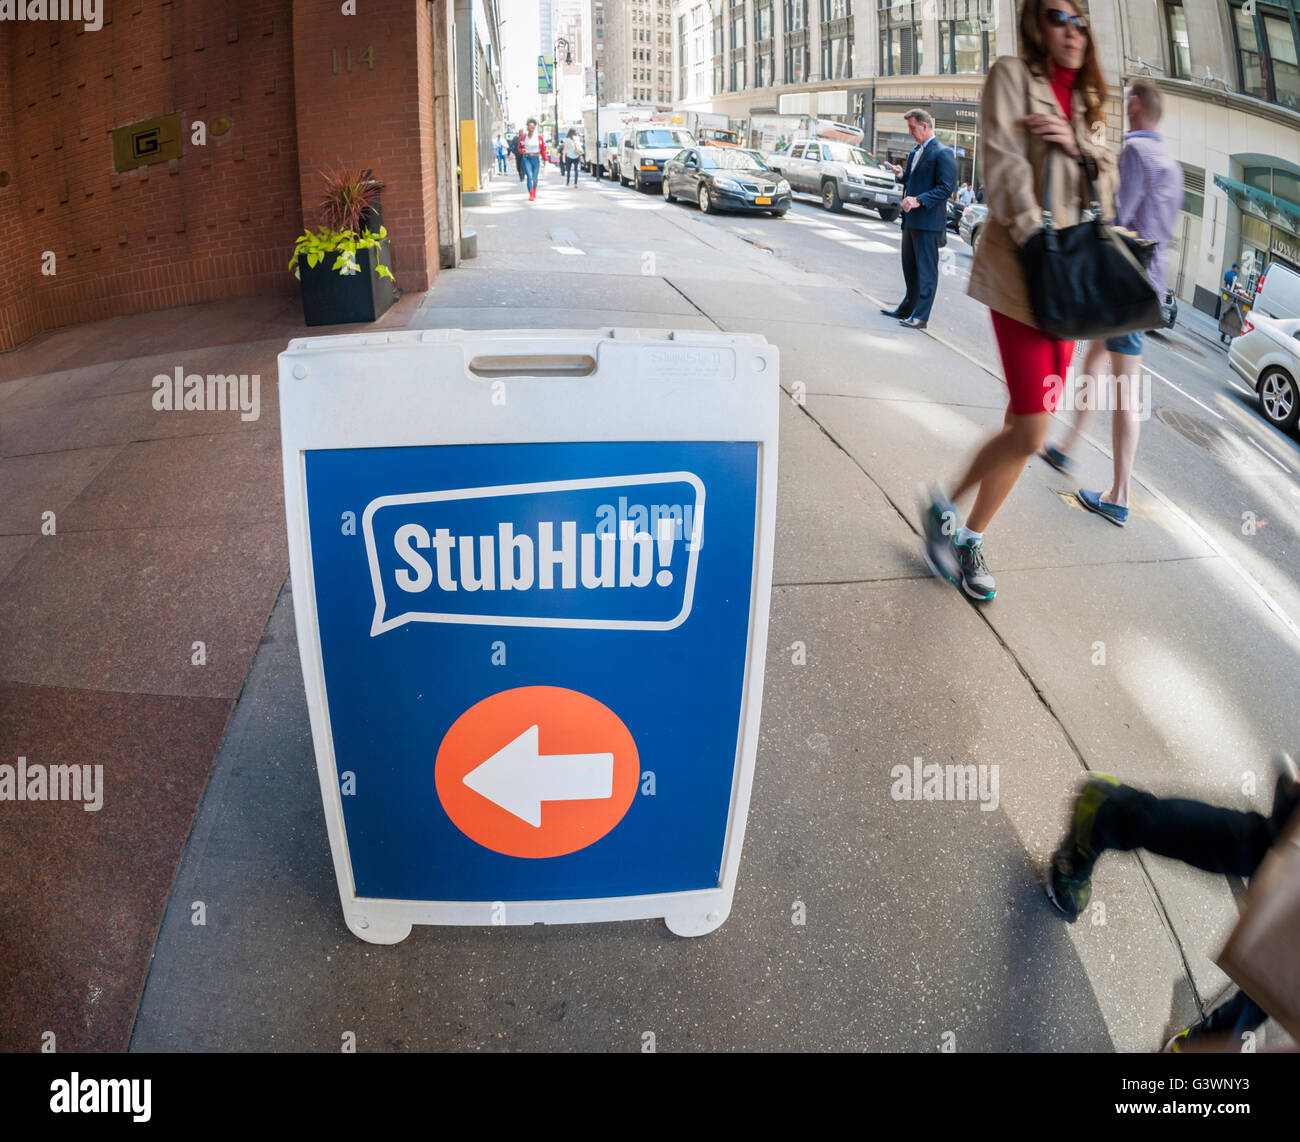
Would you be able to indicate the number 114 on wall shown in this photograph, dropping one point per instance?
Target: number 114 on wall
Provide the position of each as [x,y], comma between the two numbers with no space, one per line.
[367,57]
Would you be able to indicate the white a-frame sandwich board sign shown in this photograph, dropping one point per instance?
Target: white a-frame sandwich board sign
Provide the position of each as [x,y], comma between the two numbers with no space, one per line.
[531,573]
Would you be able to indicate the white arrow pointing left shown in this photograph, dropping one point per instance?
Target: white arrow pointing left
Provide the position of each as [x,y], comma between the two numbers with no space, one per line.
[518,778]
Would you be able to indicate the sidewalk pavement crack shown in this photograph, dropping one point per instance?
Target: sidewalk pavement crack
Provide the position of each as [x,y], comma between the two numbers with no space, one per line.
[691,302]
[1162,911]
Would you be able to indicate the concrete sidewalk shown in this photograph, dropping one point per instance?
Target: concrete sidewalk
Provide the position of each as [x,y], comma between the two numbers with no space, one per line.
[1140,652]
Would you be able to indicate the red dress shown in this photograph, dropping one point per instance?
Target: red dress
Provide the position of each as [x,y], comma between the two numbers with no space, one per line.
[1034,365]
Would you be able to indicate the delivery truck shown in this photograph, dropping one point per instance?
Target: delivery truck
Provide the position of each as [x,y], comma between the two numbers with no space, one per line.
[603,129]
[710,128]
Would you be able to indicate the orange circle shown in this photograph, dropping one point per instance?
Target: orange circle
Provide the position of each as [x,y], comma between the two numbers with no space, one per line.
[535,741]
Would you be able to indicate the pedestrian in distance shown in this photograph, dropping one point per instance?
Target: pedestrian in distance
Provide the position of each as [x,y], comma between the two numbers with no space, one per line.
[532,150]
[928,180]
[500,146]
[518,154]
[967,195]
[1109,815]
[570,156]
[1230,278]
[1148,200]
[979,195]
[1058,79]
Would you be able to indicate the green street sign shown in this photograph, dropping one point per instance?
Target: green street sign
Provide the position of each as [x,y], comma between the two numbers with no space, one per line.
[545,70]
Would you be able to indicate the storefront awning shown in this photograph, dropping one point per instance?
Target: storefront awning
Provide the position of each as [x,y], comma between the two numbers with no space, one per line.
[1273,210]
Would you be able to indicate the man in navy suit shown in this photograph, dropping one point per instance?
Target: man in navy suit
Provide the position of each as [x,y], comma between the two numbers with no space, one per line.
[928,179]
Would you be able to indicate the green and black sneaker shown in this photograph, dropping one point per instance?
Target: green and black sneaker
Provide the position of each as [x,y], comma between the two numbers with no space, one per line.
[1069,883]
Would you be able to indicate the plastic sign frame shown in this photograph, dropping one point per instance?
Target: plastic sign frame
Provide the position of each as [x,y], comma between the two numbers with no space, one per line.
[393,390]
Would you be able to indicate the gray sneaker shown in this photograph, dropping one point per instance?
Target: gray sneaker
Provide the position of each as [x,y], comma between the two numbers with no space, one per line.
[975,578]
[939,523]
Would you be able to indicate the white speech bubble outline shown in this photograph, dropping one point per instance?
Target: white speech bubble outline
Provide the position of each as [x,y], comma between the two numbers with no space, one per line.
[380,624]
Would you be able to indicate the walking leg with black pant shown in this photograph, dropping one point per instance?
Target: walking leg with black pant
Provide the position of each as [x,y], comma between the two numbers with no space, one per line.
[1110,815]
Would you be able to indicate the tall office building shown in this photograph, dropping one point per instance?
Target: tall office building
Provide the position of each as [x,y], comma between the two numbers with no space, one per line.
[636,64]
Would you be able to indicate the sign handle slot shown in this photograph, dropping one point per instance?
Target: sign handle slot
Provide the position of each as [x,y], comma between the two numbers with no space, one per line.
[579,365]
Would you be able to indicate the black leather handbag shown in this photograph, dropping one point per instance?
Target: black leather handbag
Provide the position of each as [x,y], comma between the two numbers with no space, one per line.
[1089,280]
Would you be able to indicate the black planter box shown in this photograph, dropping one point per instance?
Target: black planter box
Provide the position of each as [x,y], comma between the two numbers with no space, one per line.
[331,298]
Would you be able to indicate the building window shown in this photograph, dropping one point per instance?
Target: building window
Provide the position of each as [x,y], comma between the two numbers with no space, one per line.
[764,66]
[1267,65]
[1248,59]
[738,72]
[837,57]
[836,10]
[1180,56]
[763,26]
[796,63]
[737,25]
[796,17]
[900,37]
[1282,56]
[718,76]
[717,34]
[963,48]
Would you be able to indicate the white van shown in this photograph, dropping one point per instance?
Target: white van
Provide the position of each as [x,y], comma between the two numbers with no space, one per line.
[1278,294]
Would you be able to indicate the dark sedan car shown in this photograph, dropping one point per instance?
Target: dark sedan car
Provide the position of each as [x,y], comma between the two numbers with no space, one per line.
[724,178]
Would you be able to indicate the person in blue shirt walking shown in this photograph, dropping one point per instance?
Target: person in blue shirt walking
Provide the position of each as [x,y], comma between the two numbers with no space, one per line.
[1148,200]
[501,155]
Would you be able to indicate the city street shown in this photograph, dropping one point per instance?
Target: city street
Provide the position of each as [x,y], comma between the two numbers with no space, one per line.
[1162,653]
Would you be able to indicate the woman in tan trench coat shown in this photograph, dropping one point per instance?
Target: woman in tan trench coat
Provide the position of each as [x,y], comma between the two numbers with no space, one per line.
[1024,132]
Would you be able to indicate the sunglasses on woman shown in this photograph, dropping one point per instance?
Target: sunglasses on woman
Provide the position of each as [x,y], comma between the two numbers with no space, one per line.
[1058,19]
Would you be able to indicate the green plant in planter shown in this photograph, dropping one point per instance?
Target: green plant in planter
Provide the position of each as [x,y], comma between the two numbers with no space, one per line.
[316,244]
[348,197]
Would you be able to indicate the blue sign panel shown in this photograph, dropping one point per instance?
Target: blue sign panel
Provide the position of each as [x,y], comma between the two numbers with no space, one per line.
[534,658]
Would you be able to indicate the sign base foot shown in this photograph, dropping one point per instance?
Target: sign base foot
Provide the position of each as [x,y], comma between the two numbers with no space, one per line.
[694,923]
[375,931]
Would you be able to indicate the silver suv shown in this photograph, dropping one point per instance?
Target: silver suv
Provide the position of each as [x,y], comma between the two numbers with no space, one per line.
[838,173]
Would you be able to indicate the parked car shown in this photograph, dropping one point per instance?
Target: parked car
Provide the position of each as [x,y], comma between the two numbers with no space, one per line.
[839,173]
[972,220]
[1278,293]
[1266,355]
[643,151]
[725,178]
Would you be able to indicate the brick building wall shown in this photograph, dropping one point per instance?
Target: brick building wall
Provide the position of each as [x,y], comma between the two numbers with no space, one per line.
[219,221]
[19,313]
[378,115]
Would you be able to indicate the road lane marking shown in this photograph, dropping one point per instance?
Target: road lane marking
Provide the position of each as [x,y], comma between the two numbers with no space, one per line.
[1269,455]
[1186,394]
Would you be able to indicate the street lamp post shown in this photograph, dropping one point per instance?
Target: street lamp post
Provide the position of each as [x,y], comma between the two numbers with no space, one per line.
[568,58]
[597,48]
